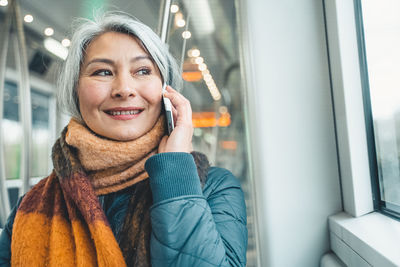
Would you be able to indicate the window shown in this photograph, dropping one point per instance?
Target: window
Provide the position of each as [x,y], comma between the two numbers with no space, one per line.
[203,38]
[43,105]
[378,26]
[12,132]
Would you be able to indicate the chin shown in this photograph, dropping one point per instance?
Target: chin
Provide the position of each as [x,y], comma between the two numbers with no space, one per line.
[125,132]
[129,137]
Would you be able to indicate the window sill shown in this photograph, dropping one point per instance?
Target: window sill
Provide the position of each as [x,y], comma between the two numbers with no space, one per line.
[369,240]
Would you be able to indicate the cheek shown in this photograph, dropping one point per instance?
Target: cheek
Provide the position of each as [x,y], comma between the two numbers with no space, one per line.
[153,97]
[155,104]
[89,95]
[155,100]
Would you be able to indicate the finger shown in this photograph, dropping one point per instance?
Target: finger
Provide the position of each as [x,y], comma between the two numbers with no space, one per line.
[174,111]
[170,89]
[181,104]
[174,114]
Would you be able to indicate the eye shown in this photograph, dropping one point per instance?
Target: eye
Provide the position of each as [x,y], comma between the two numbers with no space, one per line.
[102,72]
[144,71]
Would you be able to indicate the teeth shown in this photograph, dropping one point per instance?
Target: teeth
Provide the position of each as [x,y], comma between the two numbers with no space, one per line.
[127,112]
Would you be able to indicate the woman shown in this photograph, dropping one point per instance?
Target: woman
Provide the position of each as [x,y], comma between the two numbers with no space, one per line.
[123,192]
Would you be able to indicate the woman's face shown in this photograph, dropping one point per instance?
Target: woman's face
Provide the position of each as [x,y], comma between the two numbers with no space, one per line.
[119,88]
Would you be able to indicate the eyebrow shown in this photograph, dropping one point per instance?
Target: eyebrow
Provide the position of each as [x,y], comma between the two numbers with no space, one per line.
[111,62]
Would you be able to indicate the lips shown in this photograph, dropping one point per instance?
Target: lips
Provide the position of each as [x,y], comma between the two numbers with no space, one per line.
[129,111]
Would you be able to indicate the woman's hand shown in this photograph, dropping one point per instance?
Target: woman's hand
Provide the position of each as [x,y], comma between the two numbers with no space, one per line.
[180,139]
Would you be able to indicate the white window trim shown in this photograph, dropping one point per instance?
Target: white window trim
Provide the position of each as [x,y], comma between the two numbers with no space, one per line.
[349,108]
[38,84]
[17,183]
[359,236]
[369,240]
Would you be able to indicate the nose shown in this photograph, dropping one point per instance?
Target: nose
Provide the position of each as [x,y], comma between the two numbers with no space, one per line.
[123,86]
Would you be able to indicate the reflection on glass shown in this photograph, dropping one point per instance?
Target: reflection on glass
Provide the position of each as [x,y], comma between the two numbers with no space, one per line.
[12,132]
[382,41]
[41,135]
[211,72]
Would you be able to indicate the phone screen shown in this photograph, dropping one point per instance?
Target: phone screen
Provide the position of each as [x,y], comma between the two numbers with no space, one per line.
[168,112]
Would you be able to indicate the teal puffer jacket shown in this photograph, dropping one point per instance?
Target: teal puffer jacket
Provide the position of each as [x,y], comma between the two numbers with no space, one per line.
[195,227]
[191,226]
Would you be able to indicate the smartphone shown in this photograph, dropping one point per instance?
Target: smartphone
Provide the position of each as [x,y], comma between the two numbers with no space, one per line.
[168,112]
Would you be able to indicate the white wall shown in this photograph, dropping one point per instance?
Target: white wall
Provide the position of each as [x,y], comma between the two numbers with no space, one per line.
[291,127]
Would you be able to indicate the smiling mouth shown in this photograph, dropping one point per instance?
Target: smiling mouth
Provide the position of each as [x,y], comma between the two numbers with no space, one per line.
[123,112]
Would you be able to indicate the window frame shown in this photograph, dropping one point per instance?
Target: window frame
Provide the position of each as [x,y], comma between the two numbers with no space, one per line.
[360,235]
[348,107]
[379,204]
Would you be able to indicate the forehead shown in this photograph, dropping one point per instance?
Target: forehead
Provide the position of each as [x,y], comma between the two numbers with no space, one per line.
[114,44]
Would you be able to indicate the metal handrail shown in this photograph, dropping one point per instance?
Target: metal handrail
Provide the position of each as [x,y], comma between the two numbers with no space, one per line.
[25,106]
[14,16]
[5,33]
[165,20]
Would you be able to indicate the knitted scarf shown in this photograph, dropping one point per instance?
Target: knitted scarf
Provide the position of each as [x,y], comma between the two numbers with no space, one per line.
[60,220]
[111,165]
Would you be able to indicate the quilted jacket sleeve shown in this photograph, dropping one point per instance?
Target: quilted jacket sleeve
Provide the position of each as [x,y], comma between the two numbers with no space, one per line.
[192,227]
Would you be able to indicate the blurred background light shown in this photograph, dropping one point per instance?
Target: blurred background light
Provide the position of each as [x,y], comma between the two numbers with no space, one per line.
[174,8]
[194,52]
[179,21]
[56,48]
[28,18]
[66,42]
[48,31]
[186,35]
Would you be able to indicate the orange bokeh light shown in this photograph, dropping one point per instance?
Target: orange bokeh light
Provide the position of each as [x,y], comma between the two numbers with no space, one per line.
[209,119]
[192,76]
[228,145]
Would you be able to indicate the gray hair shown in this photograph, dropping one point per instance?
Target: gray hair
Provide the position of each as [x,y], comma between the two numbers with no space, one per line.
[86,31]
